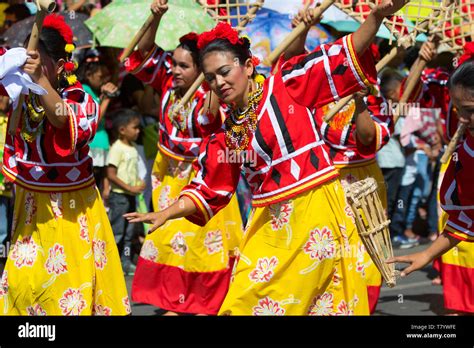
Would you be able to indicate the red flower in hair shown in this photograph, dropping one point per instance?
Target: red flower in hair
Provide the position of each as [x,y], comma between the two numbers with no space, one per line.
[255,61]
[57,22]
[189,37]
[467,54]
[222,30]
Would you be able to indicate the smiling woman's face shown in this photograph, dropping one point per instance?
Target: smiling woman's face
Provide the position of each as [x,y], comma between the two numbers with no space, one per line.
[463,100]
[226,77]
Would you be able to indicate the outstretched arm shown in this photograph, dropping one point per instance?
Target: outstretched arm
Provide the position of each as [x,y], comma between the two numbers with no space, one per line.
[181,208]
[419,260]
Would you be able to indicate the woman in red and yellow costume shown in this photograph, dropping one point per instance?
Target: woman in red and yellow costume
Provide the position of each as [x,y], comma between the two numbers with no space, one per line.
[183,268]
[64,260]
[294,256]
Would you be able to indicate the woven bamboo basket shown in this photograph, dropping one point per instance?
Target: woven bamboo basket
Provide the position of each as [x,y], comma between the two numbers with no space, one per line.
[372,225]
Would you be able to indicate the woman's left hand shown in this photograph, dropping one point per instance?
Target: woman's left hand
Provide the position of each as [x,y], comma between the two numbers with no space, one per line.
[308,17]
[33,66]
[156,219]
[417,261]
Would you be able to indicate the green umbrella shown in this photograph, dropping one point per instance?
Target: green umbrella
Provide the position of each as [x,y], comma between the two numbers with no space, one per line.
[116,24]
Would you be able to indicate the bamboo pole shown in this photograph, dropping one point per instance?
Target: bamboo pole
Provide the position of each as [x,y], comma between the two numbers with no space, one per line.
[453,143]
[44,7]
[189,94]
[420,64]
[131,46]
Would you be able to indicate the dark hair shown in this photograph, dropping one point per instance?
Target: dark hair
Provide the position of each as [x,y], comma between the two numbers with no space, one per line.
[51,42]
[191,47]
[241,52]
[21,11]
[443,60]
[388,80]
[463,76]
[122,117]
[90,64]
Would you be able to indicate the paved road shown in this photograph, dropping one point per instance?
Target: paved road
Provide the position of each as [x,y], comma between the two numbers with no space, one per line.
[412,296]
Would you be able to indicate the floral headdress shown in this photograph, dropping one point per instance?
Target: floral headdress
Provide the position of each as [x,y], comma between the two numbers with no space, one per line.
[224,30]
[58,23]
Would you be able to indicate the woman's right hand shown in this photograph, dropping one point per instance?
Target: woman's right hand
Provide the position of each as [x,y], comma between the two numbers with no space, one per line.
[427,51]
[156,219]
[159,7]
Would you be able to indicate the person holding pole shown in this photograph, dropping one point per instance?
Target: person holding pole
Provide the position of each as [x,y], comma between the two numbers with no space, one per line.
[183,268]
[63,260]
[457,198]
[454,265]
[294,258]
[352,136]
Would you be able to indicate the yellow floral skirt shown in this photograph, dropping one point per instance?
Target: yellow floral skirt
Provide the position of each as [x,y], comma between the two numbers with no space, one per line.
[456,267]
[351,174]
[63,260]
[300,257]
[184,267]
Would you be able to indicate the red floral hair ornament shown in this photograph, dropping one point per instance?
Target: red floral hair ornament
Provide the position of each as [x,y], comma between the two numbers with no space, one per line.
[223,30]
[467,54]
[58,23]
[192,36]
[255,61]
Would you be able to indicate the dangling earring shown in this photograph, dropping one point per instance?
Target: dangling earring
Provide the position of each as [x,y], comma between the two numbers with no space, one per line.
[70,66]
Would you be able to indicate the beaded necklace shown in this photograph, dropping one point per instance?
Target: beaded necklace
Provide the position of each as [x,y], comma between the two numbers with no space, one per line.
[242,124]
[34,113]
[179,117]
